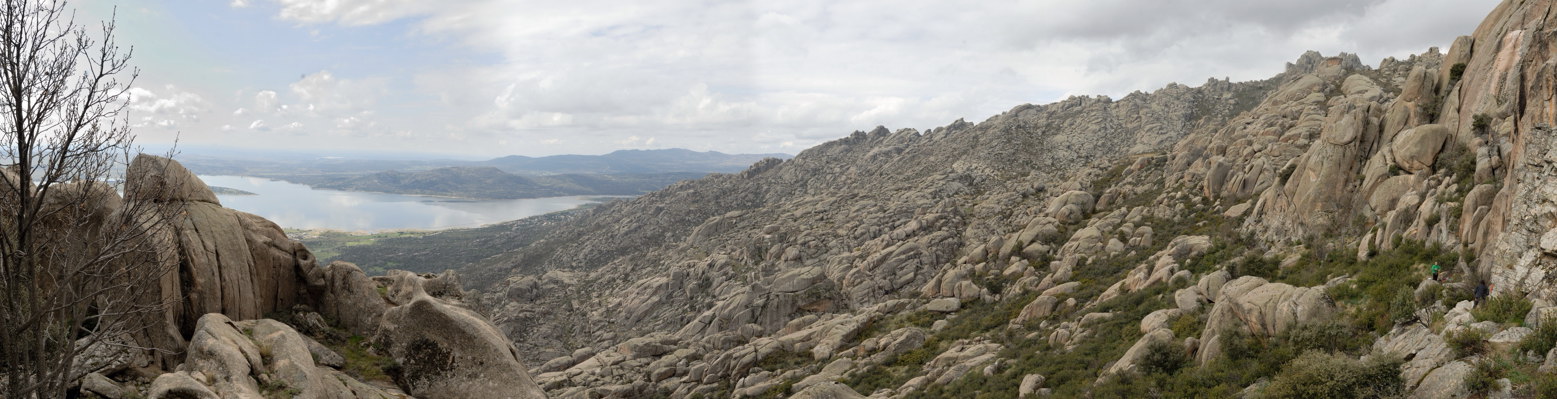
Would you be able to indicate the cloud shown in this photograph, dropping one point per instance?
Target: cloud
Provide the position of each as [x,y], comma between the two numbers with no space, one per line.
[266,102]
[744,76]
[353,12]
[165,109]
[239,3]
[321,92]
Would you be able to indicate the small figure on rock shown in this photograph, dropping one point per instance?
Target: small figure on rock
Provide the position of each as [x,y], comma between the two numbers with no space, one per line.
[1435,273]
[1481,292]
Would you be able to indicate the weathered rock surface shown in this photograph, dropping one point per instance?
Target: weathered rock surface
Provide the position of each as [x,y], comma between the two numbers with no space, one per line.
[222,260]
[227,265]
[253,358]
[446,351]
[1261,308]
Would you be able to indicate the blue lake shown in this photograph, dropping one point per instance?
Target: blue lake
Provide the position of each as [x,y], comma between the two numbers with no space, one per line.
[298,206]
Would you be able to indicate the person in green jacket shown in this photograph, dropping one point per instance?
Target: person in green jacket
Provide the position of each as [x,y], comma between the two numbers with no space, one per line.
[1435,272]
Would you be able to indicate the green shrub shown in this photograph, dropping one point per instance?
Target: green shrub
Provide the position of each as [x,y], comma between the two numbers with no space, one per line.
[1542,340]
[1237,344]
[1163,357]
[1255,265]
[1484,375]
[1186,325]
[784,360]
[1505,308]
[1455,73]
[1543,386]
[1431,296]
[1481,122]
[1467,341]
[1328,337]
[1317,374]
[1402,309]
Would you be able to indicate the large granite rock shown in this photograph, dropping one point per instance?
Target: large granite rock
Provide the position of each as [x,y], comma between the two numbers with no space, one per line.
[447,351]
[1416,149]
[159,179]
[1261,308]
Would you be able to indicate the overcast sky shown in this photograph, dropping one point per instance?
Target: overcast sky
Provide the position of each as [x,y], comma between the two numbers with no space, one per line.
[496,77]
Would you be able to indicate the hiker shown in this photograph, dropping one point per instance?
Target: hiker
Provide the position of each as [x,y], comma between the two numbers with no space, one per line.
[1435,273]
[1481,292]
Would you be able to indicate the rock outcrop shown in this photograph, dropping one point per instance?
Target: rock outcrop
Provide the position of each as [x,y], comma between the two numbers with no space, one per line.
[219,260]
[257,358]
[1261,308]
[226,265]
[446,351]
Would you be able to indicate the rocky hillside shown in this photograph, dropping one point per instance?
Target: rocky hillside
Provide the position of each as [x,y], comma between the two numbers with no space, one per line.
[1257,239]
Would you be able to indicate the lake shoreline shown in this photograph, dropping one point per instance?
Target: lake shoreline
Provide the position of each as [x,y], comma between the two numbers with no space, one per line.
[310,211]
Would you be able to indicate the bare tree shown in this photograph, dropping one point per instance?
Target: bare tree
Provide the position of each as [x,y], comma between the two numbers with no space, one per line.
[76,262]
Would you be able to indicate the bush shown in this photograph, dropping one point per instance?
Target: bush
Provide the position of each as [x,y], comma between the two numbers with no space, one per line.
[1455,73]
[1163,357]
[1317,374]
[1187,325]
[1468,341]
[1328,337]
[1542,340]
[1255,265]
[1481,122]
[1402,309]
[1506,308]
[1432,295]
[1543,386]
[1485,375]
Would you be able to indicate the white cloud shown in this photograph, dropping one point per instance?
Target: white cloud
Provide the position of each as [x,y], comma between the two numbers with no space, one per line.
[266,102]
[352,12]
[165,109]
[323,92]
[742,76]
[239,3]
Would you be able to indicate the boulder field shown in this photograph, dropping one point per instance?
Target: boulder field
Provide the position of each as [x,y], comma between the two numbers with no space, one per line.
[1065,249]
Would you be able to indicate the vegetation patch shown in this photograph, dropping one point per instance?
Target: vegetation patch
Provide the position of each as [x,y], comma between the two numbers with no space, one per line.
[1317,374]
[1467,341]
[1542,339]
[784,360]
[1373,294]
[1506,308]
[327,245]
[1485,374]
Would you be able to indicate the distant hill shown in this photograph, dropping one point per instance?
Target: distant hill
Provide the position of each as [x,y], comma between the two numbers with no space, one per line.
[619,162]
[492,183]
[625,172]
[632,161]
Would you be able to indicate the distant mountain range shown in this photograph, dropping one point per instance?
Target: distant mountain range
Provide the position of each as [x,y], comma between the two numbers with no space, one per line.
[622,161]
[632,161]
[625,172]
[491,183]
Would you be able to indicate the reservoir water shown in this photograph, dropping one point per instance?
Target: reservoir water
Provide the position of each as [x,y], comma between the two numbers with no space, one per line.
[298,206]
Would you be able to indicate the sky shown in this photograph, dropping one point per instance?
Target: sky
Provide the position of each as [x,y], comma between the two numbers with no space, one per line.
[486,78]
